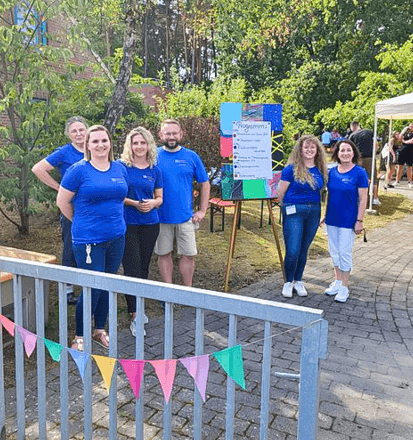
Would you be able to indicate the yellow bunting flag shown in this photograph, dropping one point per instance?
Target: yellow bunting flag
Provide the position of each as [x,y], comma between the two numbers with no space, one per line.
[106,366]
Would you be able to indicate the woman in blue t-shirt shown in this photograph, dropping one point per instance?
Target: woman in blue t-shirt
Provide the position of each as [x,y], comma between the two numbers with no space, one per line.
[91,194]
[347,199]
[141,211]
[299,193]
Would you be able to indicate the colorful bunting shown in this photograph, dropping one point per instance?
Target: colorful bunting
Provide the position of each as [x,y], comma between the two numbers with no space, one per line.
[198,368]
[29,340]
[134,371]
[230,360]
[106,366]
[165,370]
[81,359]
[54,349]
[7,324]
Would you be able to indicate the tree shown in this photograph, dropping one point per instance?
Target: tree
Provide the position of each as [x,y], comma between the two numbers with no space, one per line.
[29,90]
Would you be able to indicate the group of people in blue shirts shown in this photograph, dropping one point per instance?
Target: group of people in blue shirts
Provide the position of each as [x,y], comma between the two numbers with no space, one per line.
[119,211]
[300,189]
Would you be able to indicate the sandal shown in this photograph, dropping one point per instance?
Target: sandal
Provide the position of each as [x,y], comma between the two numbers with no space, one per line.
[78,343]
[101,337]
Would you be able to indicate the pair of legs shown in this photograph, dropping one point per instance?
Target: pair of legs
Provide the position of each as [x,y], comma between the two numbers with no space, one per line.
[340,247]
[68,257]
[139,244]
[405,158]
[366,163]
[186,244]
[300,223]
[104,257]
[400,173]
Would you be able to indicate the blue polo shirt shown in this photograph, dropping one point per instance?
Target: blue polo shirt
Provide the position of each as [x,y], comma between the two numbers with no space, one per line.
[179,170]
[301,193]
[141,185]
[343,196]
[64,157]
[98,201]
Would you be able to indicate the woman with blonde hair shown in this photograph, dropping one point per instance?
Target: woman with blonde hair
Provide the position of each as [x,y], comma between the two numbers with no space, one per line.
[91,195]
[141,207]
[302,181]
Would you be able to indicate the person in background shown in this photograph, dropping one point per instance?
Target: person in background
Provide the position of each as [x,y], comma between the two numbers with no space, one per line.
[180,167]
[92,195]
[363,138]
[406,155]
[141,208]
[299,192]
[346,204]
[61,159]
[326,138]
[395,144]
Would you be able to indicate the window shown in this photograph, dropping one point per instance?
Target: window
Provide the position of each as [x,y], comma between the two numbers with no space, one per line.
[31,21]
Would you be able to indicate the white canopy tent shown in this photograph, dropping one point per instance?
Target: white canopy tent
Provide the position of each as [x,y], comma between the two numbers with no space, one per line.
[400,107]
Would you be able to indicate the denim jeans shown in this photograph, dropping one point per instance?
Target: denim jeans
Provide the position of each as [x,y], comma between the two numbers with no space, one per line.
[105,257]
[299,229]
[140,241]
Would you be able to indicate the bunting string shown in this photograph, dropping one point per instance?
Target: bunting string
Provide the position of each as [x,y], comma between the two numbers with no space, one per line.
[230,359]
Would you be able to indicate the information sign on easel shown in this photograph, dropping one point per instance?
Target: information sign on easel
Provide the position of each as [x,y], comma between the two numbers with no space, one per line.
[251,147]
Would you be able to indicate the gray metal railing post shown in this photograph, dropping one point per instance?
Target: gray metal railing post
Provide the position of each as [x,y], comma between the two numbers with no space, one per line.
[199,351]
[64,364]
[265,381]
[113,353]
[232,340]
[2,402]
[313,345]
[168,351]
[41,359]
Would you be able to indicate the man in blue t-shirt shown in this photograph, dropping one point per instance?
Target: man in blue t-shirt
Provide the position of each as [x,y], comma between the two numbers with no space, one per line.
[61,159]
[180,167]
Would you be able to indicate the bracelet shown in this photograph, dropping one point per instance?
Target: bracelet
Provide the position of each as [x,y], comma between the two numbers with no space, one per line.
[361,221]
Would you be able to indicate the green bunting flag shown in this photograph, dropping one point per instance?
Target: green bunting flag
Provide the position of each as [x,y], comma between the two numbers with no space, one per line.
[231,361]
[54,349]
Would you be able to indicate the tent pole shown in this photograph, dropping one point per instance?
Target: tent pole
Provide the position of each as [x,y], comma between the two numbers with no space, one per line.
[373,168]
[386,180]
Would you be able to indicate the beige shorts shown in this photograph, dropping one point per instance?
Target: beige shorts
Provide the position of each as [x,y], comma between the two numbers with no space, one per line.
[185,238]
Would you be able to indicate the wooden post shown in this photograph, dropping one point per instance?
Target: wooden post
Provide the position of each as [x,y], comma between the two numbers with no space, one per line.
[277,240]
[237,212]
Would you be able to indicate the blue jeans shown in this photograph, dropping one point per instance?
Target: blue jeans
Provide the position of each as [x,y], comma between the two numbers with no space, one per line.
[105,257]
[299,229]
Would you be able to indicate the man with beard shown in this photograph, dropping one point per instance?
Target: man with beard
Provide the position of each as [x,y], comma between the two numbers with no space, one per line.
[180,167]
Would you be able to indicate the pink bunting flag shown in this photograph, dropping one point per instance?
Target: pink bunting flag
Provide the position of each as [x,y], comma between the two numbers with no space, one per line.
[7,324]
[134,371]
[29,340]
[198,368]
[165,370]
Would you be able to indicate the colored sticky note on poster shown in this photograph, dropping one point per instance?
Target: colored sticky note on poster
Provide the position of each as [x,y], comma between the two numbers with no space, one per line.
[226,146]
[230,112]
[273,114]
[254,189]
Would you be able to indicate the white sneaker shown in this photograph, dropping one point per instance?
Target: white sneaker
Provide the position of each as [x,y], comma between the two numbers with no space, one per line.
[342,295]
[410,185]
[132,326]
[376,202]
[300,289]
[396,184]
[287,290]
[333,288]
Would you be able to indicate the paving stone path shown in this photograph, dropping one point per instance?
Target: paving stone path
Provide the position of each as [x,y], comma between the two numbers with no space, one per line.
[366,381]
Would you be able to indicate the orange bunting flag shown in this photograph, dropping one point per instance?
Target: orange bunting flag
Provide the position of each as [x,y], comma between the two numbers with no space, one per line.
[134,371]
[106,366]
[7,324]
[29,340]
[165,370]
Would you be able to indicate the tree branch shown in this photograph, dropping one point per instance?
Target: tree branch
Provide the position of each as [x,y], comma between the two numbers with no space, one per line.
[9,219]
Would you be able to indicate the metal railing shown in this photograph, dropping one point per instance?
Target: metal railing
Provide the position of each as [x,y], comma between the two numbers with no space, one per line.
[313,346]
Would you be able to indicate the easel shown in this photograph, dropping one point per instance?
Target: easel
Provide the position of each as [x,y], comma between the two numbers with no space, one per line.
[237,213]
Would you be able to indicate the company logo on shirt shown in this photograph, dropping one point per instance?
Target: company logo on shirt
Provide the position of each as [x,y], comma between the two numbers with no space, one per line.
[144,176]
[117,180]
[181,161]
[346,179]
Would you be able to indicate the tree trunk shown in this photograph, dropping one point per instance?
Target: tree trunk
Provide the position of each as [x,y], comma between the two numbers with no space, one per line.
[185,48]
[145,45]
[24,228]
[168,45]
[193,58]
[118,102]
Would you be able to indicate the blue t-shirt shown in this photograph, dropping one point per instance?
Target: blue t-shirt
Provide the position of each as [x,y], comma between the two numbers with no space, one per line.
[64,157]
[300,193]
[98,201]
[179,170]
[343,196]
[141,185]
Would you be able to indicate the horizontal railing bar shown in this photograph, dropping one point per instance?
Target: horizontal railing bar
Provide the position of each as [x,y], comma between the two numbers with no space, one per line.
[188,296]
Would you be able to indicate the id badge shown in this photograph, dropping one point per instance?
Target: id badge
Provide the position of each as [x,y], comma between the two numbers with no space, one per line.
[290,210]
